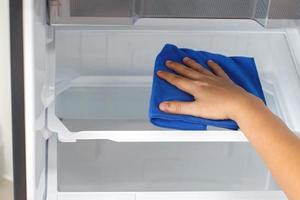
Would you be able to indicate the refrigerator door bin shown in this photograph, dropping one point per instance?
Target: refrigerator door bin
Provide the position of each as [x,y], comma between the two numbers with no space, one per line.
[103,79]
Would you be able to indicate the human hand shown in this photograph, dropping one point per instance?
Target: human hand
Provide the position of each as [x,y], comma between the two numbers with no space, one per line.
[216,96]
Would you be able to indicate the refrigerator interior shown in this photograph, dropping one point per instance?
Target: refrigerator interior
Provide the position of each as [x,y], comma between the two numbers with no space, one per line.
[102,86]
[88,79]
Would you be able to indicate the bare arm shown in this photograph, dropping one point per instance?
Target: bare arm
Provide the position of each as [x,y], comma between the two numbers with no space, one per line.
[217,97]
[277,145]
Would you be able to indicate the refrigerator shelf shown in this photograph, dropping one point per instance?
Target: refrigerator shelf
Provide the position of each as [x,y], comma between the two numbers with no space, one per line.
[212,195]
[103,81]
[116,108]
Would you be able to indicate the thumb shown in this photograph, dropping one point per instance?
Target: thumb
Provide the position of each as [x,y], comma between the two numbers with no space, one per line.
[179,107]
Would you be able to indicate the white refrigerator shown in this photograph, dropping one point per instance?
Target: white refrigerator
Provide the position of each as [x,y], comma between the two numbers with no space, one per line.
[81,82]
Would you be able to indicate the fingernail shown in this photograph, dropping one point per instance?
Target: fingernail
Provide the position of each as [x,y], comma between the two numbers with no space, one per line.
[168,62]
[163,106]
[186,59]
[210,61]
[159,72]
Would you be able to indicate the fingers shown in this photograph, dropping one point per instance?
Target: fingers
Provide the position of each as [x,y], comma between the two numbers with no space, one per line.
[217,69]
[183,70]
[179,107]
[196,66]
[180,82]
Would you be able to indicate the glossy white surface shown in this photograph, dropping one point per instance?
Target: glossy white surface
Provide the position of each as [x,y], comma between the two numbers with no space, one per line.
[236,195]
[6,168]
[36,39]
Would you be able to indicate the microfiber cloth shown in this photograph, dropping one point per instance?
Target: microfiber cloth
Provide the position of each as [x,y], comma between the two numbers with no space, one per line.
[241,70]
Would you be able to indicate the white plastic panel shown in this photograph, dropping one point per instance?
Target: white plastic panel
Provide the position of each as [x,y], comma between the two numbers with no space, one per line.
[37,37]
[105,166]
[215,195]
[237,195]
[114,64]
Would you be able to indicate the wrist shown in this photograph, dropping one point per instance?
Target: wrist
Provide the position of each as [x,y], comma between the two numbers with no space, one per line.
[245,106]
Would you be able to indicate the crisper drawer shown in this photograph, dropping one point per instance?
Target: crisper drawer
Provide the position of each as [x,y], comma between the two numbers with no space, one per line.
[102,169]
[103,79]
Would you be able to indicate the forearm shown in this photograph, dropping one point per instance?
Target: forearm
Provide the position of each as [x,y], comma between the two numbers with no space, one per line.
[276,144]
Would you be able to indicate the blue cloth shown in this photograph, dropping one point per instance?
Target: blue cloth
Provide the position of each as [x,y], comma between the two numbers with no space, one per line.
[241,70]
